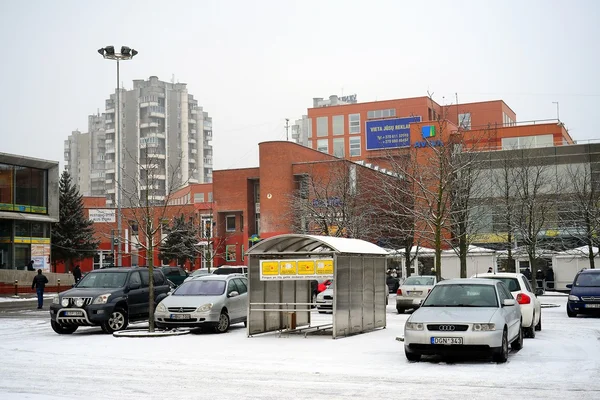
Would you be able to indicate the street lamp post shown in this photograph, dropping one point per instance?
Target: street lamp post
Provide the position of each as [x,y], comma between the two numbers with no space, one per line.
[126,53]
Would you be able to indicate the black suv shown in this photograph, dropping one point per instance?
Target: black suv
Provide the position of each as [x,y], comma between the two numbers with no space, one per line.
[109,298]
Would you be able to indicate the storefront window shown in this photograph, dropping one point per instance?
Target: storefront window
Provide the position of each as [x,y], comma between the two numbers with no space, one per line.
[30,190]
[6,187]
[22,229]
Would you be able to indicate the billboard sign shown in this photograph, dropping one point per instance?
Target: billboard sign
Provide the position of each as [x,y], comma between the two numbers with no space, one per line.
[389,133]
[101,215]
[296,270]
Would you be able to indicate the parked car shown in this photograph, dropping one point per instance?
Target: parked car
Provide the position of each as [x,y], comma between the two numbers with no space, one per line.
[175,274]
[413,291]
[325,299]
[584,297]
[521,290]
[462,315]
[109,298]
[214,301]
[231,269]
[196,273]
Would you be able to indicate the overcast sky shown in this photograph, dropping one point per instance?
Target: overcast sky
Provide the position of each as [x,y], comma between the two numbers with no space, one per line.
[251,64]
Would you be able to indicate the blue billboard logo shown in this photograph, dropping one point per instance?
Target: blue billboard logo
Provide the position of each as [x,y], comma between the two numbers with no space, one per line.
[389,133]
[428,131]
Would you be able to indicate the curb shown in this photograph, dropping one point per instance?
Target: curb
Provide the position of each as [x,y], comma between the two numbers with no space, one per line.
[144,333]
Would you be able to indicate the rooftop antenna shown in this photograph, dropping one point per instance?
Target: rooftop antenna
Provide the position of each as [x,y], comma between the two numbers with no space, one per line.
[172,78]
[287,127]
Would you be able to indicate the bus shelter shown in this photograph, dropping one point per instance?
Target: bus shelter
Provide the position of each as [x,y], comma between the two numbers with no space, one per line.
[281,275]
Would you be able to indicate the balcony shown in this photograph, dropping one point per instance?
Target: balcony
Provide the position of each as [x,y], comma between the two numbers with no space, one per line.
[108,142]
[160,135]
[149,166]
[110,130]
[110,190]
[194,151]
[192,141]
[110,110]
[192,160]
[208,161]
[108,181]
[110,150]
[208,134]
[156,111]
[148,104]
[193,180]
[193,131]
[191,121]
[194,111]
[108,121]
[149,125]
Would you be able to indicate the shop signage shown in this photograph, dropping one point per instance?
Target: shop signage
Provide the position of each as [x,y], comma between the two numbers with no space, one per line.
[296,270]
[101,215]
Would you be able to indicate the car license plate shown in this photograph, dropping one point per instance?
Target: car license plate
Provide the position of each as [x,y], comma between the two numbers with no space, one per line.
[446,340]
[413,293]
[592,306]
[73,314]
[180,316]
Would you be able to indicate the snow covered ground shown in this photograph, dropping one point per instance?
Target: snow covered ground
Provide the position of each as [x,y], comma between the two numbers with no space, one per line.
[562,362]
[12,299]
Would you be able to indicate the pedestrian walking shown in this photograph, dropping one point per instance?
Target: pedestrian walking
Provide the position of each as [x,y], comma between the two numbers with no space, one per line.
[550,278]
[39,283]
[77,273]
[527,273]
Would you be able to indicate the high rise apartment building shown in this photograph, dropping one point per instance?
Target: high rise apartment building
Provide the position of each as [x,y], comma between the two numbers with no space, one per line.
[165,141]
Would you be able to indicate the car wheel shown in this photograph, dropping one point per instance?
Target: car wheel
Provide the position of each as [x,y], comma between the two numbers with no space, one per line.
[538,327]
[62,330]
[517,344]
[117,321]
[223,324]
[410,356]
[571,314]
[400,310]
[502,354]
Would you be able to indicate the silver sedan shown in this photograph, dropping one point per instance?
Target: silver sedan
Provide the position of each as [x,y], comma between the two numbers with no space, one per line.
[465,315]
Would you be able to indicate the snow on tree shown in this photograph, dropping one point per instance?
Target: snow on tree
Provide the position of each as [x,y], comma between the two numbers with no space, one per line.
[181,241]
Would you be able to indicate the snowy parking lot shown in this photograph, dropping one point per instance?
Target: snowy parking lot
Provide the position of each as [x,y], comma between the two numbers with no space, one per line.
[562,362]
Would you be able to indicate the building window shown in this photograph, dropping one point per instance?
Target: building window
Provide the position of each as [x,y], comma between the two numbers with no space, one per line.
[206,227]
[230,223]
[230,252]
[322,126]
[338,147]
[338,125]
[464,121]
[354,123]
[198,197]
[390,112]
[210,196]
[310,127]
[355,146]
[528,142]
[323,145]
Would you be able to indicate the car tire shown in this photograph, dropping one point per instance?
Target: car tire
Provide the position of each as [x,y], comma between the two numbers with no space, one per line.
[530,330]
[501,354]
[410,356]
[571,314]
[61,329]
[400,310]
[517,344]
[538,327]
[117,321]
[223,324]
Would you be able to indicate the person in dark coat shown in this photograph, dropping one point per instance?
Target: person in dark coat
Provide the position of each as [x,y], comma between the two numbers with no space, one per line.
[77,273]
[39,283]
[550,278]
[527,273]
[30,266]
[539,275]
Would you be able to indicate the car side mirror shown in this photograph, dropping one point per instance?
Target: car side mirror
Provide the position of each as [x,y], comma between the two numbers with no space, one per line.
[509,302]
[134,285]
[233,294]
[569,286]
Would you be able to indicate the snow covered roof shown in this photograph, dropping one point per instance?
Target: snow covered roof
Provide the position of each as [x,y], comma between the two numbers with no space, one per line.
[296,243]
[421,251]
[522,252]
[582,251]
[473,250]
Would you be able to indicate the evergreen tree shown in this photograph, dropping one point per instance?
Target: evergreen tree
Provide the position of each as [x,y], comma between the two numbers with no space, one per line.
[180,243]
[73,236]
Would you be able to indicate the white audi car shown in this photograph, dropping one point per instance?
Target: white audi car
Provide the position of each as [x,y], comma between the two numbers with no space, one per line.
[465,315]
[413,291]
[521,290]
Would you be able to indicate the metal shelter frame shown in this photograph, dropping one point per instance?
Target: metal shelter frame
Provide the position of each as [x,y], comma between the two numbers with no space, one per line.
[280,271]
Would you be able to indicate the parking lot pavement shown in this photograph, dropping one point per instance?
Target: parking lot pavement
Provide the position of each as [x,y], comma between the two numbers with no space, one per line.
[560,363]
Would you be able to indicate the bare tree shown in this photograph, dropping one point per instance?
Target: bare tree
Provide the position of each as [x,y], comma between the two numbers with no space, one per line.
[335,198]
[581,216]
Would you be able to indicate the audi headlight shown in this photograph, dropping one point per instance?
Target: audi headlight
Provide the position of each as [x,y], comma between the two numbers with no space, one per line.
[484,327]
[572,297]
[414,326]
[205,307]
[79,302]
[102,299]
[64,302]
[161,307]
[56,300]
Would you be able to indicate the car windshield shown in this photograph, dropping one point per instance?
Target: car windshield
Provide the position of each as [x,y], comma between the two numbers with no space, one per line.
[462,295]
[588,280]
[511,283]
[103,280]
[201,288]
[420,281]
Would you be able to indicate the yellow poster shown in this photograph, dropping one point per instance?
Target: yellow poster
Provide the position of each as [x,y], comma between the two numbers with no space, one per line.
[306,267]
[269,267]
[324,267]
[288,268]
